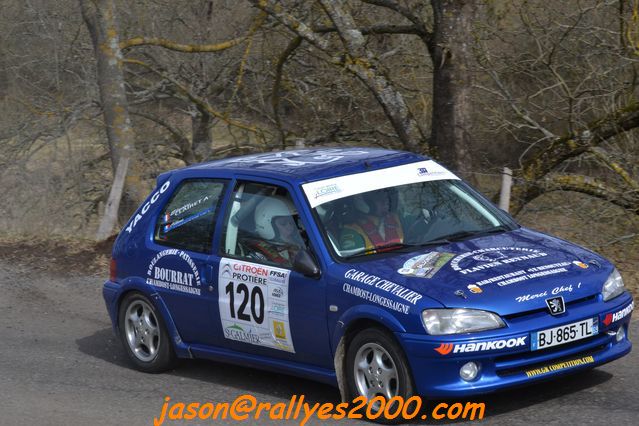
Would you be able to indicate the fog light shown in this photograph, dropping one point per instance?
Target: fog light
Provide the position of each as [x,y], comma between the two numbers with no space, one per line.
[469,371]
[621,333]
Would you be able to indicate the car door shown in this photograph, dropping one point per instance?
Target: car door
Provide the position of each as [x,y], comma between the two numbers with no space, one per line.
[267,308]
[181,266]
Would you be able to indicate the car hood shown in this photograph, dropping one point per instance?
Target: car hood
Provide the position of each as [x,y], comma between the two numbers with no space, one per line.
[507,273]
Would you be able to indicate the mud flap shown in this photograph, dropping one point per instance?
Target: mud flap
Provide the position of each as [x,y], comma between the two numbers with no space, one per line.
[339,360]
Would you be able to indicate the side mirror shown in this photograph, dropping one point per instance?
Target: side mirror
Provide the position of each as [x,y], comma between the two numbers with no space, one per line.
[305,264]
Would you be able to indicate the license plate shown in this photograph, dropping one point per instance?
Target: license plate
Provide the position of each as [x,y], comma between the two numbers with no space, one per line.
[564,334]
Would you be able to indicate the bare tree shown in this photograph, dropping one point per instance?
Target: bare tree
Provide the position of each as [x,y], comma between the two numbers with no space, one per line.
[101,21]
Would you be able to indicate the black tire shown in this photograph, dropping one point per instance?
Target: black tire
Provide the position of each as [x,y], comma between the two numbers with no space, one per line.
[361,346]
[144,335]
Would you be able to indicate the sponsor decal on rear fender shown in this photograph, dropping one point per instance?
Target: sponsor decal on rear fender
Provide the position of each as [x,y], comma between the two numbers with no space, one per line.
[491,345]
[174,269]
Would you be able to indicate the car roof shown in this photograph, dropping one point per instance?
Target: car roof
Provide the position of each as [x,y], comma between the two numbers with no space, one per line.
[304,165]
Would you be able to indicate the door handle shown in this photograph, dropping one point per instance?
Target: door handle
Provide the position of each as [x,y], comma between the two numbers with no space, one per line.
[209,275]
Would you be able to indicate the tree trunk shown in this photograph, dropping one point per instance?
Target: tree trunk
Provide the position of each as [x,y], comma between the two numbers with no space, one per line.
[449,48]
[99,17]
[202,144]
[357,60]
[363,64]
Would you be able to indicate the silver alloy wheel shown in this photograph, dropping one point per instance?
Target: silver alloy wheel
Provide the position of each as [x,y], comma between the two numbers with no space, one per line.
[375,372]
[142,330]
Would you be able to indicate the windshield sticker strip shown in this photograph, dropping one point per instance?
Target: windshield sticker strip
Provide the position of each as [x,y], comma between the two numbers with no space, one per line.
[323,191]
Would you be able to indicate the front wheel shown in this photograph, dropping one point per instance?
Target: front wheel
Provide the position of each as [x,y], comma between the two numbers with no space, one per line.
[144,335]
[377,367]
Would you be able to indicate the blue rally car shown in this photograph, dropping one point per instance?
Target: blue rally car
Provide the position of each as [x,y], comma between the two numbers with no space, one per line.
[377,271]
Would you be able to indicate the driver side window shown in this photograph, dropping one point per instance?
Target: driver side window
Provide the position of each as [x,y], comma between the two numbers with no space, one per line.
[262,225]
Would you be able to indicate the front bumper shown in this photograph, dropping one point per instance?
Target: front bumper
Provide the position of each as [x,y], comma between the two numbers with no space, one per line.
[505,356]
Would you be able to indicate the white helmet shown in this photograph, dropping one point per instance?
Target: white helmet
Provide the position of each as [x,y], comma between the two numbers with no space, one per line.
[266,210]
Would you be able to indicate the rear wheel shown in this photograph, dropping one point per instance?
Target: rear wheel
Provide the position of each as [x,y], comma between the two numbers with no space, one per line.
[144,335]
[377,367]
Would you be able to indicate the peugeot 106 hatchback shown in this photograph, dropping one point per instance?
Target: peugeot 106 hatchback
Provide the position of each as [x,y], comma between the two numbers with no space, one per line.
[377,271]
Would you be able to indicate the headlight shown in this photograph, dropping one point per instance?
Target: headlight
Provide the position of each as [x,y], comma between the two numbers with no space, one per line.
[613,286]
[455,321]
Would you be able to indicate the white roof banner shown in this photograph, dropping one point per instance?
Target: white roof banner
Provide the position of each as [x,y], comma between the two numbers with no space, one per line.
[326,190]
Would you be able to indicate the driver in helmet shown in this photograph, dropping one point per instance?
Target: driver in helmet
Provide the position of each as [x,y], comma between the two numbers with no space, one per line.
[376,230]
[280,239]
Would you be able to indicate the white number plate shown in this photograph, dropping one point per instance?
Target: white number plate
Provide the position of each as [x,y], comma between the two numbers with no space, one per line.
[564,334]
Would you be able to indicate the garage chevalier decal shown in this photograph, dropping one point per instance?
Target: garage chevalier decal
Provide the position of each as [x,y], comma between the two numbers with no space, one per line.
[384,285]
[375,298]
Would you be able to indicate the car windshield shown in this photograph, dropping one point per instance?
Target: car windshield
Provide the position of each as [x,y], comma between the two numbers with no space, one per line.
[406,217]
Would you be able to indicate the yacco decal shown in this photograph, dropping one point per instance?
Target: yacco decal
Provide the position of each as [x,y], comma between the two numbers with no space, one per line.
[147,205]
[384,285]
[163,272]
[446,348]
[616,316]
[344,186]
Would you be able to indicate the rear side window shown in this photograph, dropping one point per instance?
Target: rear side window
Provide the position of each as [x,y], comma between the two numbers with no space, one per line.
[188,219]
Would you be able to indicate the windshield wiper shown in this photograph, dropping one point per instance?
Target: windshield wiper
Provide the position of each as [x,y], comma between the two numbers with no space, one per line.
[382,249]
[457,236]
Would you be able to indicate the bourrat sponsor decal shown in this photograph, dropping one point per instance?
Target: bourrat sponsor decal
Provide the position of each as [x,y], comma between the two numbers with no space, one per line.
[174,270]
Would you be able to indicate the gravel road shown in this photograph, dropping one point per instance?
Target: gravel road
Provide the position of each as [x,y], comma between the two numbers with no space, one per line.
[60,364]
